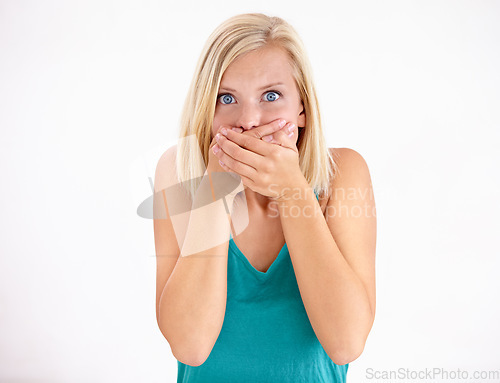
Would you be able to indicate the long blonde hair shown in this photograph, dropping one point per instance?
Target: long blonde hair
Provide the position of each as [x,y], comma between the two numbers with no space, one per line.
[234,37]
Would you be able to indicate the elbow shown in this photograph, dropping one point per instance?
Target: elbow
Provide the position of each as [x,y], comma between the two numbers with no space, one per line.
[347,348]
[186,348]
[341,355]
[189,353]
[190,359]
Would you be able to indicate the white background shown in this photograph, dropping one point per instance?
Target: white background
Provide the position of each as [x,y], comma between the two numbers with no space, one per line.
[90,96]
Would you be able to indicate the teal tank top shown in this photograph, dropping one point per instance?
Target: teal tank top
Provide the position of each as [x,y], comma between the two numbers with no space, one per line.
[266,335]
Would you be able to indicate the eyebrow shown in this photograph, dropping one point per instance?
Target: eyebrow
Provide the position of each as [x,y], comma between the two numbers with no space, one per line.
[262,88]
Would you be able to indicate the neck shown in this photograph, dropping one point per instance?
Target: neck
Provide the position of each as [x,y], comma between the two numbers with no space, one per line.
[259,203]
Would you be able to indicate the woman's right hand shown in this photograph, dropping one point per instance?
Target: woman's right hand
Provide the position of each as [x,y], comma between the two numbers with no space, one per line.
[213,161]
[273,133]
[223,183]
[277,135]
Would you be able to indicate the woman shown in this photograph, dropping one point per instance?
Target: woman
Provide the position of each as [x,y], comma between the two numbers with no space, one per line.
[274,280]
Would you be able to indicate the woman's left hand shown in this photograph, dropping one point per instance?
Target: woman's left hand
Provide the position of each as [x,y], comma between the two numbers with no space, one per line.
[268,168]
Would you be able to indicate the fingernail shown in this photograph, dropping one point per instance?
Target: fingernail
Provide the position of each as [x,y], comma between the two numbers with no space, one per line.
[235,129]
[268,138]
[282,123]
[217,137]
[223,131]
[215,149]
[291,127]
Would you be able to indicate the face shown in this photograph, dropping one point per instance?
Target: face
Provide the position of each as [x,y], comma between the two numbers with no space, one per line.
[256,89]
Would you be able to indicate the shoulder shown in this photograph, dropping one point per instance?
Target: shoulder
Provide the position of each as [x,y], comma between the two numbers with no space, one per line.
[352,170]
[168,155]
[348,157]
[166,169]
[350,163]
[347,161]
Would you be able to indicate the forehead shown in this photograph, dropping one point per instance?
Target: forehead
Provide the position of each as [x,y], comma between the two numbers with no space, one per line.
[260,66]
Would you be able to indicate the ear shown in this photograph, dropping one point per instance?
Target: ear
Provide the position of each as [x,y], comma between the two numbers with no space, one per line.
[301,121]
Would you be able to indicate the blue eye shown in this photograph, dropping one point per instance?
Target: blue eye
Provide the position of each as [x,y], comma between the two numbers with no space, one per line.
[226,97]
[273,98]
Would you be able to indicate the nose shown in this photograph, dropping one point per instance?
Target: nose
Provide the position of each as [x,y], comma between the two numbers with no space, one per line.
[249,117]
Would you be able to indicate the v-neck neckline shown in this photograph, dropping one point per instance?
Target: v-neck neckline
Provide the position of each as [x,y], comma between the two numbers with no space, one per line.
[247,263]
[270,270]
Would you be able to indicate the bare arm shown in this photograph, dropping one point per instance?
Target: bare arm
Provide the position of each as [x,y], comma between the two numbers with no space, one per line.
[334,260]
[191,301]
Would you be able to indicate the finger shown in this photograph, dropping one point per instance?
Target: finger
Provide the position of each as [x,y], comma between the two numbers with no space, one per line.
[242,161]
[261,132]
[245,147]
[244,179]
[283,137]
[214,141]
[266,129]
[239,160]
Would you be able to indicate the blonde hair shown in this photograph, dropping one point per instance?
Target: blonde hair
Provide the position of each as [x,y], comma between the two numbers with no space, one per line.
[231,39]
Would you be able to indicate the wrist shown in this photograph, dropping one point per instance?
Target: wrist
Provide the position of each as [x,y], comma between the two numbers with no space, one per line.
[218,184]
[293,192]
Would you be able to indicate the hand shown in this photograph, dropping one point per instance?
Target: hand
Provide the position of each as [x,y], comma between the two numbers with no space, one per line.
[221,184]
[213,161]
[266,168]
[282,137]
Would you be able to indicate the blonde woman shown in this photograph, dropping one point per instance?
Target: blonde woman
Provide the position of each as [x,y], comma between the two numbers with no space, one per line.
[273,281]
